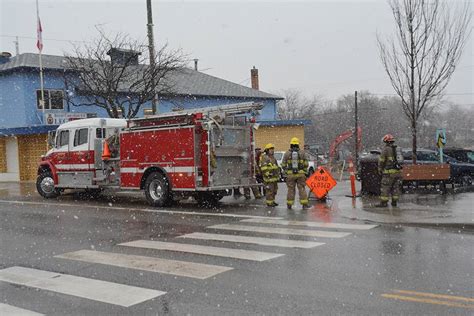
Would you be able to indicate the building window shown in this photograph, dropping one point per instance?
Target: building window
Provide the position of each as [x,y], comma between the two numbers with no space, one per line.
[80,136]
[53,99]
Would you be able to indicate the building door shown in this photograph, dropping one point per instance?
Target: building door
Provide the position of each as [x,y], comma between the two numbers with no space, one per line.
[30,150]
[9,167]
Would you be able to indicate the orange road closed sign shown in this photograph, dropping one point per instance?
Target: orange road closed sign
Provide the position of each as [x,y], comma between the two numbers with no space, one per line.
[321,182]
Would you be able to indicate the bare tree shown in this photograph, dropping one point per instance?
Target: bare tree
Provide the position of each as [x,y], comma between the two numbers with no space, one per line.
[294,105]
[430,37]
[112,73]
[459,123]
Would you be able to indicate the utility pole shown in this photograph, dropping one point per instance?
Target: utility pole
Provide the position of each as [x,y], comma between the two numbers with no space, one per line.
[356,134]
[151,48]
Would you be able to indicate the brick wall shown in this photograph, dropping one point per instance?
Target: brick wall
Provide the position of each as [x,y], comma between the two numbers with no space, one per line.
[3,155]
[30,149]
[279,136]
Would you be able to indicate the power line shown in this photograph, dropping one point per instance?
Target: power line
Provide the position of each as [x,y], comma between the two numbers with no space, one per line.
[44,39]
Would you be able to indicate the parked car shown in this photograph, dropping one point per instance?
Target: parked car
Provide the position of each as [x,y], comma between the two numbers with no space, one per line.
[460,154]
[461,172]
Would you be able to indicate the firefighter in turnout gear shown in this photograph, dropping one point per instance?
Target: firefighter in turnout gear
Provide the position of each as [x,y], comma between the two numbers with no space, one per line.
[258,175]
[271,174]
[390,170]
[295,165]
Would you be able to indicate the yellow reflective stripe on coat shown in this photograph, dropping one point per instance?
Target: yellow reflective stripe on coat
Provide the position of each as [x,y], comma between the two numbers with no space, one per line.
[290,172]
[270,180]
[269,167]
[391,171]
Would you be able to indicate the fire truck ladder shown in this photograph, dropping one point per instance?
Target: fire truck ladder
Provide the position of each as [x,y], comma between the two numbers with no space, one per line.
[183,117]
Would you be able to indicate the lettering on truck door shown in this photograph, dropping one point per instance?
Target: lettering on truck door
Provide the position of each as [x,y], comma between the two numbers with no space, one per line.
[61,154]
[80,152]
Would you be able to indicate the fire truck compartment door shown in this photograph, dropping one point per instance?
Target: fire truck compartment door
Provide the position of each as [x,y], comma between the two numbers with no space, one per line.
[233,148]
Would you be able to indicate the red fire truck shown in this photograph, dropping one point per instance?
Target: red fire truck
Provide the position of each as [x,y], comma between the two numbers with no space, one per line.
[203,153]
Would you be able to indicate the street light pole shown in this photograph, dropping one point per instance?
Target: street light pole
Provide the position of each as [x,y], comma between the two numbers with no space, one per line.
[356,138]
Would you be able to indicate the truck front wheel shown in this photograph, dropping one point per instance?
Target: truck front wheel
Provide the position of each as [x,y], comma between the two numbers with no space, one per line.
[45,185]
[157,189]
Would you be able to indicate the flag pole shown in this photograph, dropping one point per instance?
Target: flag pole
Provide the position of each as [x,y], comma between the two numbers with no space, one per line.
[39,44]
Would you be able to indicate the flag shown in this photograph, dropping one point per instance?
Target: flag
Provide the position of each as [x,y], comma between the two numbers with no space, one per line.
[39,30]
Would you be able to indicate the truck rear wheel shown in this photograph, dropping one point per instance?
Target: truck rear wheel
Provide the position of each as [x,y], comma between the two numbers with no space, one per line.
[157,189]
[45,185]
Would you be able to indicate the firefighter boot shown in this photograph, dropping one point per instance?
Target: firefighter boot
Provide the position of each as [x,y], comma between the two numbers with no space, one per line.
[305,206]
[288,206]
[394,203]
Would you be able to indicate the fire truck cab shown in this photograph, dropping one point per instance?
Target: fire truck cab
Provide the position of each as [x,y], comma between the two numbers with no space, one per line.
[203,153]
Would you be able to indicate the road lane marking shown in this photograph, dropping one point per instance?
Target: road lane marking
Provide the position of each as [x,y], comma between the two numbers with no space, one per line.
[101,291]
[174,267]
[6,309]
[204,250]
[281,231]
[139,209]
[426,301]
[254,240]
[442,296]
[308,224]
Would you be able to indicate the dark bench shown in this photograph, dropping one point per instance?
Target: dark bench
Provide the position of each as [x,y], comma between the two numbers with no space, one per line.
[416,175]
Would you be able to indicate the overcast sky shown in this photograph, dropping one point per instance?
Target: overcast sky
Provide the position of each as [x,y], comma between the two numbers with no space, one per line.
[320,47]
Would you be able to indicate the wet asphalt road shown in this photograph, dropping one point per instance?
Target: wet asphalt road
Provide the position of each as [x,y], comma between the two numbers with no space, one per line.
[366,272]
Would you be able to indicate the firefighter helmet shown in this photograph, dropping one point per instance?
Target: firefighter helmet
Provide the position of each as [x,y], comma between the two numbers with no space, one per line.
[295,141]
[269,146]
[388,138]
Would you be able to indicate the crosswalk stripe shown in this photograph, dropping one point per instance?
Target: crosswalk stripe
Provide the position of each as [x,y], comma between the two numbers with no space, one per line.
[309,224]
[174,267]
[101,291]
[9,310]
[254,240]
[281,231]
[204,250]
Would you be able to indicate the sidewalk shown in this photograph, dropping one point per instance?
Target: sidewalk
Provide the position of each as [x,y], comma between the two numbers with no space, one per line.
[448,210]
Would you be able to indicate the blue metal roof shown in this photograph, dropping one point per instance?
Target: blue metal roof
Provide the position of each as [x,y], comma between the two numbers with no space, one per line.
[28,130]
[285,122]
